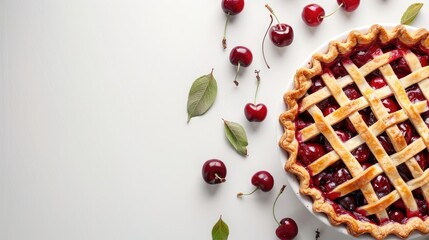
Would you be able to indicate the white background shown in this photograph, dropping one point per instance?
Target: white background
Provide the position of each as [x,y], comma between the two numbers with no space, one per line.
[94,142]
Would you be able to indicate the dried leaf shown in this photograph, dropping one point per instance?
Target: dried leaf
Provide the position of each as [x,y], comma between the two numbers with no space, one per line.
[411,13]
[236,135]
[220,230]
[201,95]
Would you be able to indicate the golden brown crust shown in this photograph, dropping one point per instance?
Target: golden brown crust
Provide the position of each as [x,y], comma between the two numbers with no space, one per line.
[288,142]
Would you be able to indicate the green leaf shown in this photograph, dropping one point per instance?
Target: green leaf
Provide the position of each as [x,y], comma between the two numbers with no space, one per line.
[411,13]
[220,230]
[201,95]
[236,135]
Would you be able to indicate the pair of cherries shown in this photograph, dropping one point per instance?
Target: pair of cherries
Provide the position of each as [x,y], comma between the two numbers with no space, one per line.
[214,172]
[313,14]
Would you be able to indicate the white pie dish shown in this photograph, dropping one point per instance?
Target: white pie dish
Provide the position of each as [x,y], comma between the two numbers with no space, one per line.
[293,182]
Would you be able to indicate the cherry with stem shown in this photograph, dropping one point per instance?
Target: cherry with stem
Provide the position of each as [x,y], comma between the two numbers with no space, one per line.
[287,228]
[281,34]
[240,56]
[314,14]
[255,112]
[262,180]
[230,7]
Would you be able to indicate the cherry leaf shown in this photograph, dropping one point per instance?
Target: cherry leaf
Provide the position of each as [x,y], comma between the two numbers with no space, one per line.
[236,135]
[411,13]
[201,95]
[220,230]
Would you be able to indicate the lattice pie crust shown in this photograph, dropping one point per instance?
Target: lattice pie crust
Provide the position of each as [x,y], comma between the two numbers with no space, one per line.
[300,100]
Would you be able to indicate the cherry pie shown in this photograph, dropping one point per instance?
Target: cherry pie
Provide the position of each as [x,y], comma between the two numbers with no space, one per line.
[356,131]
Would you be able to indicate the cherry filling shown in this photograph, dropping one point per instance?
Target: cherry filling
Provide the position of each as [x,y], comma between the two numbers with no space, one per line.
[336,174]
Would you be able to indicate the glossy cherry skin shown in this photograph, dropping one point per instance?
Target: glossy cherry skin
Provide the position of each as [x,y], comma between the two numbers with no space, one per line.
[214,171]
[287,230]
[255,113]
[310,152]
[396,215]
[381,185]
[232,7]
[281,35]
[349,5]
[263,180]
[313,14]
[241,55]
[377,83]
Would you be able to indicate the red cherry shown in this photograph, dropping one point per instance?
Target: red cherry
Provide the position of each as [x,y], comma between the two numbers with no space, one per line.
[241,57]
[329,109]
[341,176]
[310,152]
[281,34]
[352,92]
[361,153]
[422,159]
[386,143]
[406,130]
[366,165]
[262,180]
[230,7]
[349,5]
[313,14]
[302,123]
[255,113]
[390,104]
[377,83]
[317,84]
[396,215]
[287,230]
[415,94]
[338,70]
[214,171]
[381,185]
[348,202]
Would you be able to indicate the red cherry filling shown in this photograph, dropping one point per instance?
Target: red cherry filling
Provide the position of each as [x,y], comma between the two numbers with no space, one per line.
[343,135]
[381,185]
[310,152]
[361,153]
[317,84]
[390,104]
[386,143]
[336,174]
[397,215]
[406,130]
[415,94]
[377,82]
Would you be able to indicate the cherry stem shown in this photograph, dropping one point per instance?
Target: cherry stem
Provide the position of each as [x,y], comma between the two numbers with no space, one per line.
[241,194]
[258,80]
[272,12]
[275,201]
[339,6]
[263,41]
[220,178]
[317,234]
[224,31]
[236,74]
